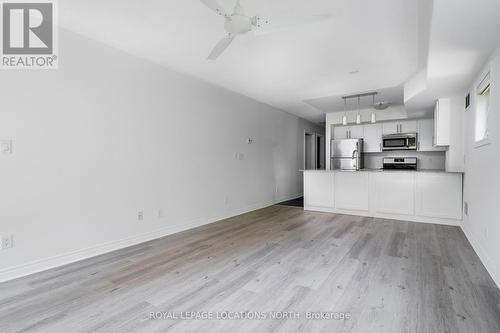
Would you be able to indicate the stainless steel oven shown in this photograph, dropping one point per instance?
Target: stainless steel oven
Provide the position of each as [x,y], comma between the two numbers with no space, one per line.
[400,163]
[406,141]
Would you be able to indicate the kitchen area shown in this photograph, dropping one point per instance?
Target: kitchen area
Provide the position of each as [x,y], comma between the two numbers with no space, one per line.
[387,163]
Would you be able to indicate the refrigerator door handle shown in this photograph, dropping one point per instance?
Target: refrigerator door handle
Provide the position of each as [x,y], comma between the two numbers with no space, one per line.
[355,156]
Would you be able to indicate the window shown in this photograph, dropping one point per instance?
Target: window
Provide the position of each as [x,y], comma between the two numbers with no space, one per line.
[482,109]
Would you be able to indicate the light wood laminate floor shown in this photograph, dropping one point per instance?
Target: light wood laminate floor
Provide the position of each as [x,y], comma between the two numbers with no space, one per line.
[389,276]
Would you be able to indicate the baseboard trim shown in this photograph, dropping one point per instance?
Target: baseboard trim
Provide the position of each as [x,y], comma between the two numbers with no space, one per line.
[485,259]
[40,265]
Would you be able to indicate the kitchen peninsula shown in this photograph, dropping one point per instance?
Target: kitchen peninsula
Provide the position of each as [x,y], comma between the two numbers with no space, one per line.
[421,196]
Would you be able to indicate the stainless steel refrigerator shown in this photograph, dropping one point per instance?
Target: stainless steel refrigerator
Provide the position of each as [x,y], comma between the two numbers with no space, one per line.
[347,154]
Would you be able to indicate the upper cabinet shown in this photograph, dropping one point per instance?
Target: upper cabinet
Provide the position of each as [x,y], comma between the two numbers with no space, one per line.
[426,136]
[340,132]
[390,128]
[372,138]
[405,126]
[408,126]
[348,132]
[356,132]
[442,122]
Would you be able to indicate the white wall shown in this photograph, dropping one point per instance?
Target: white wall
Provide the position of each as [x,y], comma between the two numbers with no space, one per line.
[482,180]
[108,135]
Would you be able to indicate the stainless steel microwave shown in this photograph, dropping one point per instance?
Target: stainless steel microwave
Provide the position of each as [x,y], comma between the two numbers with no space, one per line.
[407,141]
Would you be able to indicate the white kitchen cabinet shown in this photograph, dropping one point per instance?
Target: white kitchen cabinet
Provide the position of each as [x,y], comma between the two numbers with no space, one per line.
[356,132]
[372,138]
[455,155]
[442,122]
[390,128]
[348,132]
[439,195]
[318,189]
[408,126]
[420,196]
[340,132]
[426,136]
[352,190]
[396,127]
[395,193]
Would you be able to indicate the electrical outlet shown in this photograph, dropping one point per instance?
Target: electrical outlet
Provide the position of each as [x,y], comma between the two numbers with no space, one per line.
[160,213]
[466,208]
[6,147]
[276,189]
[226,200]
[140,215]
[7,242]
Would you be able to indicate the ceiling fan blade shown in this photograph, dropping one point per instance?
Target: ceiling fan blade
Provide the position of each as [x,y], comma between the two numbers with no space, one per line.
[214,5]
[269,26]
[221,46]
[381,105]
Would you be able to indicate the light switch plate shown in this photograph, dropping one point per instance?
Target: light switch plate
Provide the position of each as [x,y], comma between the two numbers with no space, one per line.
[6,147]
[7,242]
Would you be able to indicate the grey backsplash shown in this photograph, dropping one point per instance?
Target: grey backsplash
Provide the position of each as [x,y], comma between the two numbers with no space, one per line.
[434,160]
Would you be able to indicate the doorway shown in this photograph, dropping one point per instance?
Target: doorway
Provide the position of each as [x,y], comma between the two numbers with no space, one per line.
[320,151]
[314,151]
[309,151]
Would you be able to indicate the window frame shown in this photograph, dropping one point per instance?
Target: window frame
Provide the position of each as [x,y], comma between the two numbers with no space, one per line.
[484,85]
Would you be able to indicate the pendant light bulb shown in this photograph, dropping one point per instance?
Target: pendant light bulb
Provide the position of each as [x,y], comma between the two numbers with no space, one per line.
[358,117]
[344,117]
[373,117]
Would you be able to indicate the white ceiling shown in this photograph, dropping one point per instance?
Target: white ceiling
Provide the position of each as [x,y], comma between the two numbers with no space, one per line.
[334,103]
[462,36]
[377,38]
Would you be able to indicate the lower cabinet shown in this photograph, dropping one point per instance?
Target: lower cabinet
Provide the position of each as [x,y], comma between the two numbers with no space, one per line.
[318,189]
[352,190]
[439,195]
[434,197]
[395,193]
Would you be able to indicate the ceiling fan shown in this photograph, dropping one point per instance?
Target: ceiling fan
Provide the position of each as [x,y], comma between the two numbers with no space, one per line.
[381,105]
[235,23]
[238,23]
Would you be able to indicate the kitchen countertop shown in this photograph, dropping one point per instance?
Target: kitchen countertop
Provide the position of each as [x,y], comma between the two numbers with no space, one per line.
[385,170]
